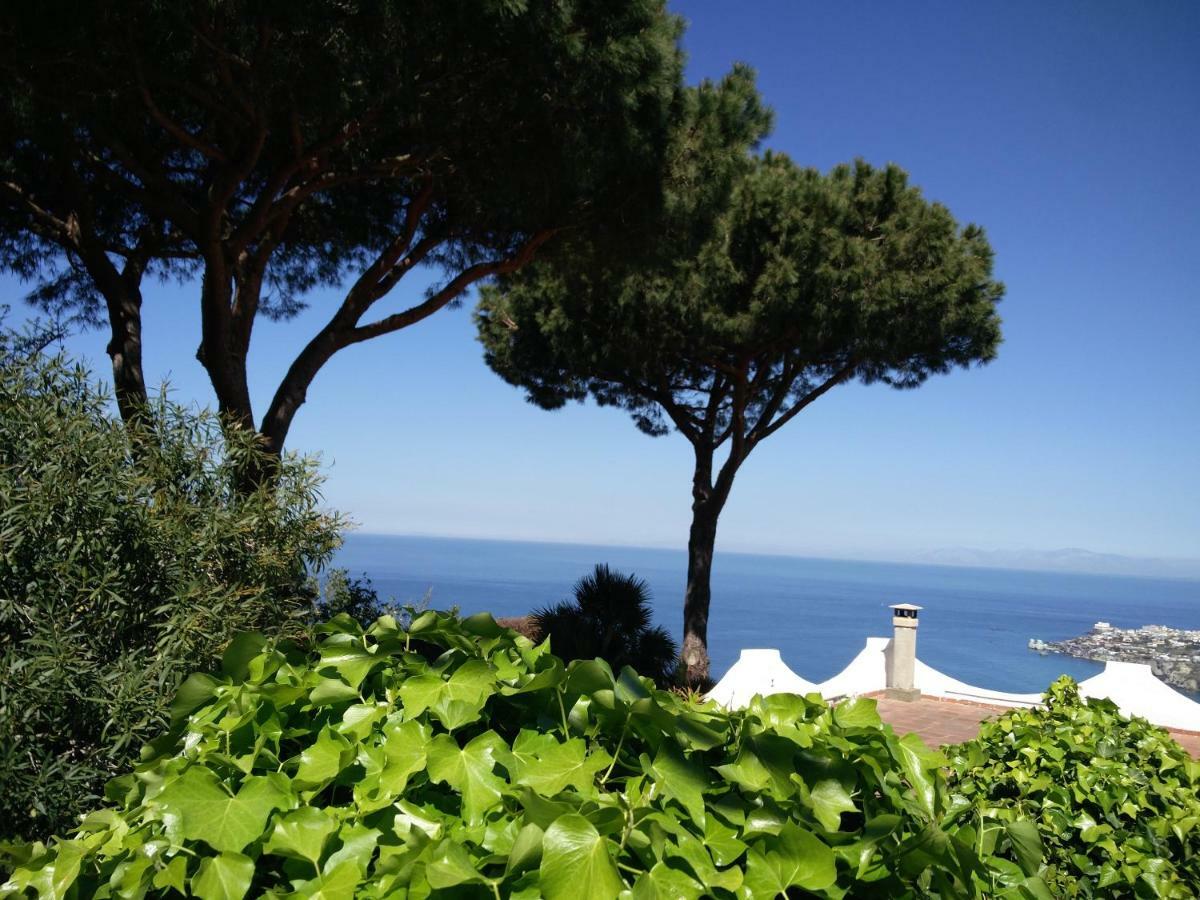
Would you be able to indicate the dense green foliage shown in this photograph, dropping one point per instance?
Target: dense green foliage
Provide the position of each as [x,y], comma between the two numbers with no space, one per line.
[275,146]
[610,618]
[360,767]
[125,564]
[1117,802]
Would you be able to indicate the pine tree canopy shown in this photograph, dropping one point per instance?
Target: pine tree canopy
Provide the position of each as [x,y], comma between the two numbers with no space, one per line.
[272,147]
[801,281]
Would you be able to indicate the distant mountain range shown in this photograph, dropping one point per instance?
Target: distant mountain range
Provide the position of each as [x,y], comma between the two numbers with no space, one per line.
[1070,559]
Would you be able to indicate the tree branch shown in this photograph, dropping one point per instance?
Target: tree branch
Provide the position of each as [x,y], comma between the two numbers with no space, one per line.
[177,131]
[456,286]
[842,374]
[56,229]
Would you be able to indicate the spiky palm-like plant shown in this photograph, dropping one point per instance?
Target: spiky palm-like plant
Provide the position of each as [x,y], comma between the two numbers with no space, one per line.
[610,618]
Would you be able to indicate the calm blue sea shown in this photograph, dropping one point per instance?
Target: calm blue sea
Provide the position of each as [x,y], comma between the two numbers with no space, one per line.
[975,625]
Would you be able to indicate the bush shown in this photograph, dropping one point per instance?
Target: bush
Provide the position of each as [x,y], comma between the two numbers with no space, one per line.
[356,597]
[610,619]
[124,565]
[1117,801]
[359,768]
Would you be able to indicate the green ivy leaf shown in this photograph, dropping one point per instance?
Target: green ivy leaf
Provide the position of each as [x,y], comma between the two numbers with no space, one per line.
[829,800]
[526,852]
[469,770]
[223,877]
[920,766]
[172,875]
[663,882]
[576,864]
[323,760]
[235,661]
[358,843]
[860,712]
[302,834]
[56,877]
[547,766]
[454,701]
[208,812]
[1026,844]
[330,691]
[339,882]
[450,865]
[680,779]
[388,767]
[795,858]
[197,690]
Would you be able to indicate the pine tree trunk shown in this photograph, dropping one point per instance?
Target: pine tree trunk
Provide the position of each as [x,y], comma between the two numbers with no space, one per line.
[125,351]
[696,599]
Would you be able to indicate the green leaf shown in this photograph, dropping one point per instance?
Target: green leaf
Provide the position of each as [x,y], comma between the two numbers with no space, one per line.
[358,844]
[351,661]
[526,850]
[690,849]
[920,766]
[680,779]
[1026,844]
[455,701]
[302,834]
[338,883]
[588,676]
[765,761]
[197,690]
[223,877]
[324,759]
[469,771]
[829,800]
[663,882]
[722,841]
[576,864]
[332,690]
[245,646]
[56,878]
[389,766]
[172,875]
[548,766]
[450,865]
[860,712]
[208,812]
[795,858]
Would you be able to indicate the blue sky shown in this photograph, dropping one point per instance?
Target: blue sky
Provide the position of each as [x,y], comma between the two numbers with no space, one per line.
[1069,131]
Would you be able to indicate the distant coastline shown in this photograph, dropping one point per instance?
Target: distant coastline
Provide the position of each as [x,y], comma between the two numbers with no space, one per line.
[1072,561]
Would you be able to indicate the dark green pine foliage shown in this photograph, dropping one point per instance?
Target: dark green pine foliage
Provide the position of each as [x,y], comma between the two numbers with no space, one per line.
[610,619]
[264,149]
[763,286]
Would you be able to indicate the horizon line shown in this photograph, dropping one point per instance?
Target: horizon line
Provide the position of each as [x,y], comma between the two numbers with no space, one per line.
[830,558]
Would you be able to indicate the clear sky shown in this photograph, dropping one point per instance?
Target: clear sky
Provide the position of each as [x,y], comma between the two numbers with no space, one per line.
[1070,131]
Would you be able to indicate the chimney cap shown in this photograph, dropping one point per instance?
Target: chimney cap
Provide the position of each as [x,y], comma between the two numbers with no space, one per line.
[911,606]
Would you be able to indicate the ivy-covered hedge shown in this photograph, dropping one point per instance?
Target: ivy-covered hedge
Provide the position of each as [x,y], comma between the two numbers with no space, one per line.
[1117,801]
[360,767]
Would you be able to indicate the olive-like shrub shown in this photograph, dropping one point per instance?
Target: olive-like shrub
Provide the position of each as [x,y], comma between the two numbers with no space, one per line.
[1116,800]
[128,560]
[360,767]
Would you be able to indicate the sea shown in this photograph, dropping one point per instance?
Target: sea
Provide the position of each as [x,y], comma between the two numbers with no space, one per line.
[975,624]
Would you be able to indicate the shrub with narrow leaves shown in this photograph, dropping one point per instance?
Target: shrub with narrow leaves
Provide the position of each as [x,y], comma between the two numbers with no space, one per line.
[128,559]
[1116,800]
[361,768]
